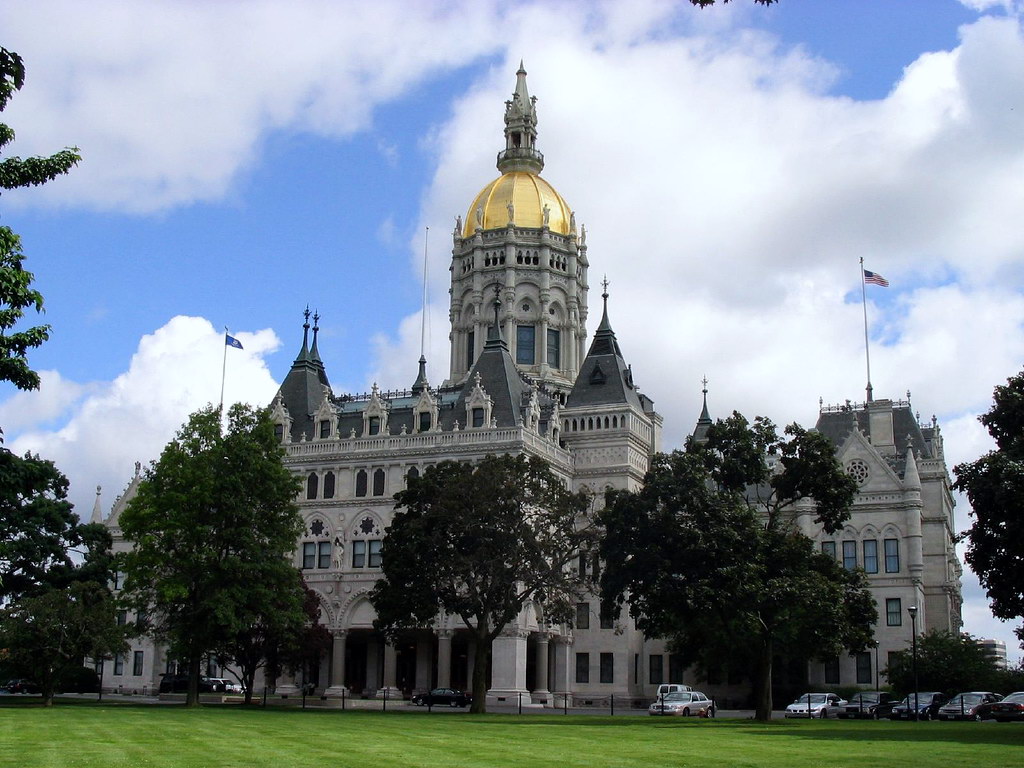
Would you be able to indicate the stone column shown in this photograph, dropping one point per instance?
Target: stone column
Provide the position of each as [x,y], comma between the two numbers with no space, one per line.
[390,667]
[337,687]
[444,658]
[562,686]
[541,692]
[508,668]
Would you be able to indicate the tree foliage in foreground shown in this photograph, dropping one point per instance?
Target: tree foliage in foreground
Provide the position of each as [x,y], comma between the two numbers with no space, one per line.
[994,485]
[479,542]
[16,292]
[214,517]
[46,637]
[707,554]
[946,662]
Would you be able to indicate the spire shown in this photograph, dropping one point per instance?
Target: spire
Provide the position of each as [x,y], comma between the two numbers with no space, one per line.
[304,353]
[494,337]
[314,353]
[97,510]
[421,378]
[911,476]
[704,421]
[520,152]
[604,342]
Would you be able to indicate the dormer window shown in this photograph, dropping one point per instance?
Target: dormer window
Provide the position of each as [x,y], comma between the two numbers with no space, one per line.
[478,417]
[325,429]
[373,425]
[424,421]
[279,432]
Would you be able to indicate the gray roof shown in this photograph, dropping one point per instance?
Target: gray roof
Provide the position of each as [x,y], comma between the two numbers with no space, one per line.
[303,388]
[604,377]
[837,424]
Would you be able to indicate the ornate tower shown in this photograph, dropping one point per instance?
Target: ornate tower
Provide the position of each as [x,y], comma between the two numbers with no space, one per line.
[521,236]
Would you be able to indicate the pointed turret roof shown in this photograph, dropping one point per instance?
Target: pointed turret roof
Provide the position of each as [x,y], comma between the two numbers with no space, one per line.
[421,378]
[604,377]
[520,152]
[303,389]
[704,422]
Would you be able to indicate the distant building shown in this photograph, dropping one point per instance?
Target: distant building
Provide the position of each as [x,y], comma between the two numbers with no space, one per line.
[997,648]
[522,380]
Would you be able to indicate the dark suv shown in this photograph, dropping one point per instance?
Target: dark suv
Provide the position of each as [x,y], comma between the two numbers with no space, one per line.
[928,703]
[868,704]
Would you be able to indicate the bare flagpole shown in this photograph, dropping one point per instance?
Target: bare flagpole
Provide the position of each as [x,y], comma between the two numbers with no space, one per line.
[423,317]
[867,350]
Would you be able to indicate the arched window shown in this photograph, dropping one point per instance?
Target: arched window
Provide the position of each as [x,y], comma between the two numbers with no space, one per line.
[329,485]
[312,483]
[413,472]
[361,482]
[378,482]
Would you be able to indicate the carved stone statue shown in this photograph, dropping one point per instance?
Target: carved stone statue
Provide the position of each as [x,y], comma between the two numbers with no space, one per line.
[547,214]
[458,225]
[511,212]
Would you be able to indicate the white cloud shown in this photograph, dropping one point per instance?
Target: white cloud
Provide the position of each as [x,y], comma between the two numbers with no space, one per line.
[175,371]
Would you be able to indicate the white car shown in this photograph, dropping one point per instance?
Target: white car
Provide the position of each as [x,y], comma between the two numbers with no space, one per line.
[683,704]
[817,703]
[225,685]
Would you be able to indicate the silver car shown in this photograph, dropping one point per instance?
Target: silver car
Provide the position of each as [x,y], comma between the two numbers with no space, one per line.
[683,704]
[815,705]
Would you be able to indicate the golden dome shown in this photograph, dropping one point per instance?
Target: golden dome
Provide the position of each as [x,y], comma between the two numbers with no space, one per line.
[528,193]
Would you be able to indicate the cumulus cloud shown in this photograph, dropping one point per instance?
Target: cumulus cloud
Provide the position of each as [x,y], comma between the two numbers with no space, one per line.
[175,371]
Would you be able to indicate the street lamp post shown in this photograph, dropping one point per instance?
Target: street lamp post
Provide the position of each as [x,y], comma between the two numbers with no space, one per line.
[912,610]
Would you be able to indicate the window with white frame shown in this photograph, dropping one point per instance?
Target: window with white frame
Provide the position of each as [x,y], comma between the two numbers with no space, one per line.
[870,550]
[893,612]
[892,555]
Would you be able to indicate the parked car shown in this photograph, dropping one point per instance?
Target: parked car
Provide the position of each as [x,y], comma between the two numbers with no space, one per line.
[1006,709]
[928,703]
[223,684]
[868,705]
[818,703]
[20,685]
[966,706]
[683,704]
[440,696]
[170,683]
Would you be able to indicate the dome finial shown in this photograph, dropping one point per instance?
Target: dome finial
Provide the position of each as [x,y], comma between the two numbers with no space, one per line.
[520,153]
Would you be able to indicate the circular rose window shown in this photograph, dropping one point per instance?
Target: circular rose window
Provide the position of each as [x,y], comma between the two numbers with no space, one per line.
[858,470]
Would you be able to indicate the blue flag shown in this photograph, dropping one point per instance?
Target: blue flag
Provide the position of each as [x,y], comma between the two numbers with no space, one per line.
[231,341]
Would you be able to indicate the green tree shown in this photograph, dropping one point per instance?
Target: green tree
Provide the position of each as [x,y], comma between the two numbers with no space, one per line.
[16,292]
[707,553]
[479,542]
[47,636]
[994,485]
[946,662]
[214,517]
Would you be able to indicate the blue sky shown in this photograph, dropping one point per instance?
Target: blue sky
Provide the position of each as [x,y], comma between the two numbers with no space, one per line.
[243,160]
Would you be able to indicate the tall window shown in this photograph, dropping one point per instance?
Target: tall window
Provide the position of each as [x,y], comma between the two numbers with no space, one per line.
[655,674]
[675,668]
[358,554]
[373,424]
[308,555]
[413,472]
[312,484]
[378,482]
[849,555]
[323,559]
[828,548]
[832,671]
[325,429]
[582,667]
[864,667]
[279,432]
[607,619]
[478,417]
[361,482]
[582,615]
[607,668]
[374,559]
[554,348]
[892,555]
[118,664]
[526,344]
[424,421]
[329,485]
[137,663]
[122,618]
[470,349]
[871,556]
[893,612]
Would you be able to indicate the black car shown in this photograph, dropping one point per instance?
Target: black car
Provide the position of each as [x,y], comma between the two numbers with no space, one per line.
[449,696]
[868,705]
[928,703]
[1006,709]
[21,686]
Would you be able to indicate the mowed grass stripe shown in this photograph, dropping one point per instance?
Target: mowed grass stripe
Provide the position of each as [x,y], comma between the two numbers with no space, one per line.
[104,736]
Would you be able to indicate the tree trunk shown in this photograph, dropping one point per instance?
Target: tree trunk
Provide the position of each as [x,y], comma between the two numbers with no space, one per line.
[192,697]
[248,679]
[763,683]
[480,663]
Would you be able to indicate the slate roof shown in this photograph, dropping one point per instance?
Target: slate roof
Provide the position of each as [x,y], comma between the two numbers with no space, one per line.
[303,388]
[604,377]
[837,425]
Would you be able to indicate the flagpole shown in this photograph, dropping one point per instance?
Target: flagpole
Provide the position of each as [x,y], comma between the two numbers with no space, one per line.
[423,316]
[223,372]
[867,349]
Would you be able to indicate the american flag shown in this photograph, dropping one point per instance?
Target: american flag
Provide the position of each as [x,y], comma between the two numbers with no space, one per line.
[873,278]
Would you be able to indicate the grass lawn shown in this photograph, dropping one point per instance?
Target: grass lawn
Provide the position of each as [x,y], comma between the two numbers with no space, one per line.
[116,735]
